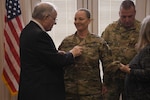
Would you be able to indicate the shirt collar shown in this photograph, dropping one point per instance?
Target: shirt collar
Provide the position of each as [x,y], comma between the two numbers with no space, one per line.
[39,24]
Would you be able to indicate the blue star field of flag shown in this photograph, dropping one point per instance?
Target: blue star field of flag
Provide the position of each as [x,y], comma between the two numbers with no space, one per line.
[13,9]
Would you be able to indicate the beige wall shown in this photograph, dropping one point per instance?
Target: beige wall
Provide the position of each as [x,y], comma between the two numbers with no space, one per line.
[1,45]
[143,9]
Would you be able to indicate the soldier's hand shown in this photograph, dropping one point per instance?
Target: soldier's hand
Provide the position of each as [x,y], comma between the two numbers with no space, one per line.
[76,51]
[125,68]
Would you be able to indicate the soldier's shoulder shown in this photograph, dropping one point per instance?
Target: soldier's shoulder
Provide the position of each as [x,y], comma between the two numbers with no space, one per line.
[94,35]
[98,38]
[112,25]
[69,37]
[137,23]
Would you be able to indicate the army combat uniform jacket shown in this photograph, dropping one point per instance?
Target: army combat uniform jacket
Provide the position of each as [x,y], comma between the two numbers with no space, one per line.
[122,43]
[83,77]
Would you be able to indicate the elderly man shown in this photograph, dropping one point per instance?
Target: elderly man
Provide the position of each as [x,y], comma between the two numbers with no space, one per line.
[41,76]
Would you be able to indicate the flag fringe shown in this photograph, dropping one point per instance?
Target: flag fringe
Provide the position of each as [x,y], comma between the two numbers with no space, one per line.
[9,88]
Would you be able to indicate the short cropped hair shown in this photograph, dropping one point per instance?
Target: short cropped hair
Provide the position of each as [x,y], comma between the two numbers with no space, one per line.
[127,4]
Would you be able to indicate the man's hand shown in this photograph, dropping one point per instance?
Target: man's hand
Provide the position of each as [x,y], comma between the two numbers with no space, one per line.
[76,51]
[61,52]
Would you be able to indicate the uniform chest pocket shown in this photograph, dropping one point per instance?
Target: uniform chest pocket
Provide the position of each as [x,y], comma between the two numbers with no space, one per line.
[91,49]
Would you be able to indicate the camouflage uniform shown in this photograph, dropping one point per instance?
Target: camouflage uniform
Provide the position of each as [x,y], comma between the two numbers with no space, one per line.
[82,79]
[122,43]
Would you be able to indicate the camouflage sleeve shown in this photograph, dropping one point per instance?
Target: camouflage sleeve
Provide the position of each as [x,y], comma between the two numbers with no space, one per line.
[105,53]
[110,67]
[106,60]
[111,62]
[64,46]
[61,46]
[106,33]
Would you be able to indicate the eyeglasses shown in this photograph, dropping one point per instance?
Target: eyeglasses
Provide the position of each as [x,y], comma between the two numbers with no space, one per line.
[55,20]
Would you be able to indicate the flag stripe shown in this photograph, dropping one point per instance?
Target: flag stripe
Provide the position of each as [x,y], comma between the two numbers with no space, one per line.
[11,67]
[12,27]
[10,85]
[13,60]
[12,39]
[12,48]
[11,76]
[12,30]
[19,22]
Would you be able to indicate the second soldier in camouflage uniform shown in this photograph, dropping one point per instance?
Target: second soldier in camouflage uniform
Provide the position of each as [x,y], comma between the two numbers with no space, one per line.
[121,36]
[82,79]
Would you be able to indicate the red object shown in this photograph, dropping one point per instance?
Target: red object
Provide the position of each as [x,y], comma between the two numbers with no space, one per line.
[12,30]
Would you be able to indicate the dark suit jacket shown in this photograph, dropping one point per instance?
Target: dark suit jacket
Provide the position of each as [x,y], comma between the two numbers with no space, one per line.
[41,76]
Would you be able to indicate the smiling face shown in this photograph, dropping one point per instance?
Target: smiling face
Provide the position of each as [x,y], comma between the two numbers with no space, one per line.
[81,21]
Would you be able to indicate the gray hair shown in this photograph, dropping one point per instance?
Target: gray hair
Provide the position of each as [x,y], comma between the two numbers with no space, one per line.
[43,9]
[144,36]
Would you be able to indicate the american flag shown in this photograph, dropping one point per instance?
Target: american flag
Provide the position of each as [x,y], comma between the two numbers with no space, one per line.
[12,30]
